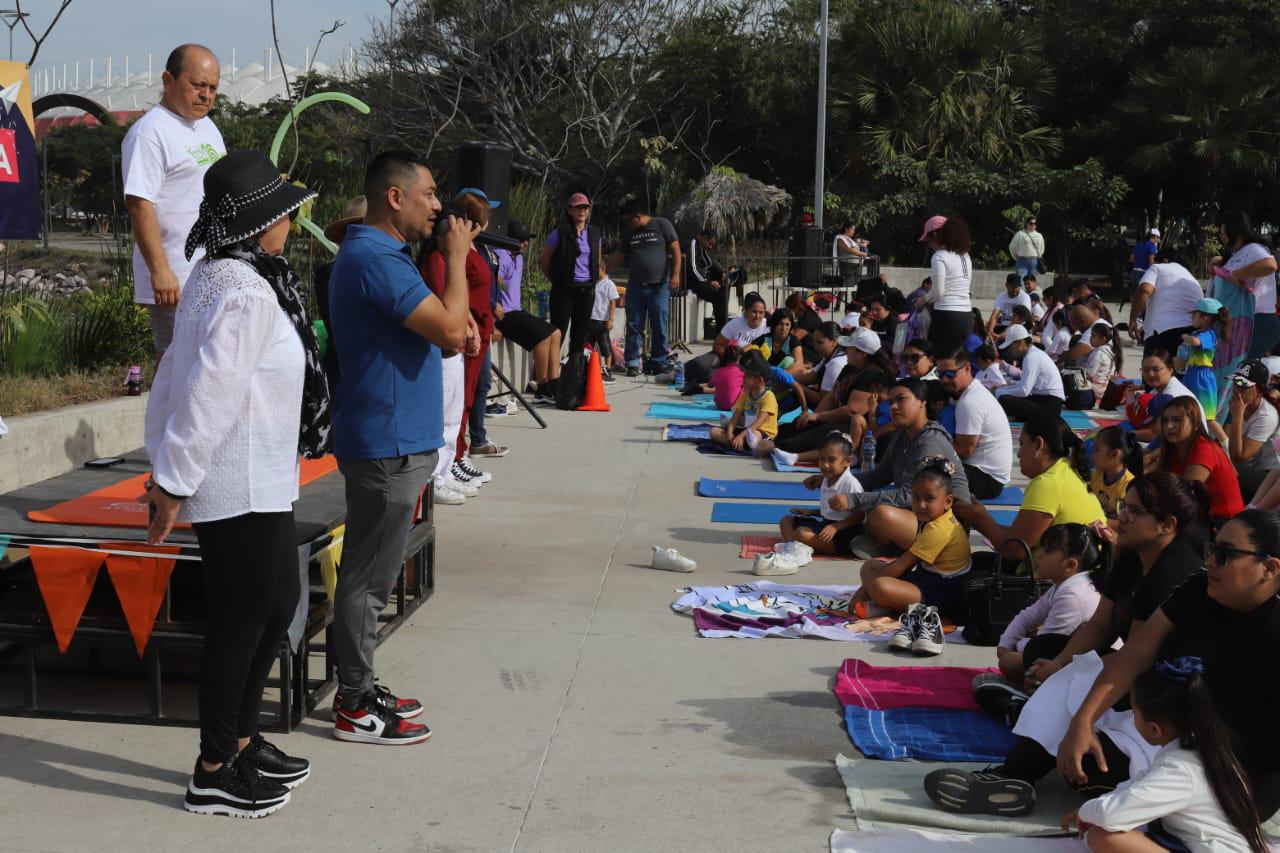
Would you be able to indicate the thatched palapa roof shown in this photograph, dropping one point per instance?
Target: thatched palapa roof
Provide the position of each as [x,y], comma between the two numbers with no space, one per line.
[732,205]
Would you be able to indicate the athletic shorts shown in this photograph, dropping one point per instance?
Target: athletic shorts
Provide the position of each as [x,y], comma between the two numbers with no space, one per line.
[162,319]
[524,329]
[816,523]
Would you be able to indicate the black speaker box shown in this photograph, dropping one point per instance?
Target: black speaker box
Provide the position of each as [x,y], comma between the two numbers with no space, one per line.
[487,166]
[804,269]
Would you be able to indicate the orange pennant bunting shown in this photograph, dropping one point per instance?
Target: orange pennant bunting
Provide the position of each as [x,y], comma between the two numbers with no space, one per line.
[140,583]
[66,577]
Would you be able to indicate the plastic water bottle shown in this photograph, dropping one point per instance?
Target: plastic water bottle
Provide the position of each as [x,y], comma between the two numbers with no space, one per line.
[679,380]
[133,384]
[868,454]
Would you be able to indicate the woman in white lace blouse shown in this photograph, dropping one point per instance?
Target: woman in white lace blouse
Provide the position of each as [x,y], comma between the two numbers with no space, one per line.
[238,395]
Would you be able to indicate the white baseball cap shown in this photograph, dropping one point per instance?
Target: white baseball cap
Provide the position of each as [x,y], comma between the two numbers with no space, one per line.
[850,320]
[1154,232]
[1016,332]
[864,340]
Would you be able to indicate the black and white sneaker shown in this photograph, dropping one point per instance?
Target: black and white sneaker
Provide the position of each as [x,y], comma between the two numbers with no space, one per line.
[930,640]
[607,377]
[374,722]
[459,473]
[271,761]
[1000,699]
[235,789]
[987,791]
[908,629]
[478,477]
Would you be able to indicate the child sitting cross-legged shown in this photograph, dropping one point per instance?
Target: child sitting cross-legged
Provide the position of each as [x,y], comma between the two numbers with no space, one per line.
[927,582]
[826,529]
[1068,559]
[755,402]
[1194,796]
[726,383]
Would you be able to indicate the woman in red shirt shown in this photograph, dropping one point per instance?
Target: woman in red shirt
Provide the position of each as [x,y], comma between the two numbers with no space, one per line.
[1190,453]
[480,295]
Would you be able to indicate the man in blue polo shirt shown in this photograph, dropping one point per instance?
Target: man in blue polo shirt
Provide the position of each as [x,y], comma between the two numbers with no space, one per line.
[388,421]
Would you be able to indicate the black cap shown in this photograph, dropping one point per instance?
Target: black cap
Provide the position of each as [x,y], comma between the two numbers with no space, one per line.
[1252,372]
[518,230]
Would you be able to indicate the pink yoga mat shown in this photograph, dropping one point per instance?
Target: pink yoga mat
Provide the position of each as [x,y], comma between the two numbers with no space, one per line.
[883,687]
[754,546]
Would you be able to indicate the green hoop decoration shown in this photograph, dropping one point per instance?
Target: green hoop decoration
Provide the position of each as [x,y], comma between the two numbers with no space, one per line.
[287,122]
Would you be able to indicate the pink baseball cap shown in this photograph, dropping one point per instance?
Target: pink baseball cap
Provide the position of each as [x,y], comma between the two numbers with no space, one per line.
[933,223]
[579,198]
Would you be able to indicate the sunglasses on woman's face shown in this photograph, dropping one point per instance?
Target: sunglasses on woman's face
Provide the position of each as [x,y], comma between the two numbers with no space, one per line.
[1222,553]
[913,358]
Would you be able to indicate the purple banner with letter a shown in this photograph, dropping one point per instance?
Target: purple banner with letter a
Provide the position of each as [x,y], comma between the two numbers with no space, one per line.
[19,172]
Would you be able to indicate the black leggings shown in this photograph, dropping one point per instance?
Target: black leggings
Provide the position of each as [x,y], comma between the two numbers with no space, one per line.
[949,329]
[1023,409]
[981,484]
[571,308]
[794,440]
[251,588]
[1030,762]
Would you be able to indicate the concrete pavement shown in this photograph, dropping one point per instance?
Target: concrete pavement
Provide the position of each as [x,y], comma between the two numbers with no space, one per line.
[572,709]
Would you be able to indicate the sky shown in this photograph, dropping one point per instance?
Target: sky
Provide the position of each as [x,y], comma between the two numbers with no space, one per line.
[96,29]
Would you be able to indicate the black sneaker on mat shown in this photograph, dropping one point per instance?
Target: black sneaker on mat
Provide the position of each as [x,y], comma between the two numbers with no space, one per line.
[374,722]
[908,629]
[235,789]
[1001,700]
[931,639]
[982,792]
[272,762]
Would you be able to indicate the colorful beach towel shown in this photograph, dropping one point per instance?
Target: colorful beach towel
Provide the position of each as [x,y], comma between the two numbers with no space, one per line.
[882,688]
[927,734]
[768,609]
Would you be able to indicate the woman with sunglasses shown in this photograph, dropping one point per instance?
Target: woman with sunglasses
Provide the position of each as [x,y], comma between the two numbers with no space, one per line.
[1227,615]
[1190,453]
[1160,516]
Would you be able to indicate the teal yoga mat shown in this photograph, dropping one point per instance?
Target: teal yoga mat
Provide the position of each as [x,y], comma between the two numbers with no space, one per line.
[745,513]
[699,412]
[783,490]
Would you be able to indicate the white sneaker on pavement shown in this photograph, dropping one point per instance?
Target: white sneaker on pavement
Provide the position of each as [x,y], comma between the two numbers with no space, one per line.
[671,560]
[774,565]
[446,494]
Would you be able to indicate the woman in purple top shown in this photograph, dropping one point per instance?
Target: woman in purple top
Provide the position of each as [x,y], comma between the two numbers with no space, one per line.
[532,334]
[571,260]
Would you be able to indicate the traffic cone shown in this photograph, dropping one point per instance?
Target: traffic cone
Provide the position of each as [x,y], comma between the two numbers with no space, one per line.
[595,401]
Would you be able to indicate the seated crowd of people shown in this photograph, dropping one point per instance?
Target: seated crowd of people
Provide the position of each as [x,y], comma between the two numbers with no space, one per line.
[1145,673]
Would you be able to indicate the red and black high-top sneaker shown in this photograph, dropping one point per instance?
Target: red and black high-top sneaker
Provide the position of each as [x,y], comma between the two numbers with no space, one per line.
[405,709]
[373,722]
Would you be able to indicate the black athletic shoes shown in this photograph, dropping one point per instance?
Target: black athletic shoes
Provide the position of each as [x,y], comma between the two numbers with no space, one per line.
[274,765]
[999,698]
[984,792]
[236,789]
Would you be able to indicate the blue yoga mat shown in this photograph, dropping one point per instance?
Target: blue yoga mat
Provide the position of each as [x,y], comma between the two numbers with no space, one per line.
[688,432]
[778,490]
[741,513]
[783,490]
[927,734]
[699,412]
[1071,417]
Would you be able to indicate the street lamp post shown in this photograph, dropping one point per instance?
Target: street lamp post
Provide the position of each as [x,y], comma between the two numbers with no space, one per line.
[12,17]
[820,168]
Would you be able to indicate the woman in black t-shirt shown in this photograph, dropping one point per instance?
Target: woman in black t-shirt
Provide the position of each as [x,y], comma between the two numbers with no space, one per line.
[1229,616]
[783,344]
[1157,515]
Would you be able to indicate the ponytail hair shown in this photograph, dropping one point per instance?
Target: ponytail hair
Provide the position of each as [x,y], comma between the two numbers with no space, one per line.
[1115,438]
[1169,496]
[1112,334]
[839,439]
[1059,440]
[1176,694]
[1078,542]
[940,469]
[732,354]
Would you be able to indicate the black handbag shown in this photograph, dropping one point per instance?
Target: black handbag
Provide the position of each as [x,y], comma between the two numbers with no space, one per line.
[571,387]
[994,594]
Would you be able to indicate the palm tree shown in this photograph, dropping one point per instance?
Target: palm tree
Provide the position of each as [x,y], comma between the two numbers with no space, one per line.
[1211,116]
[940,82]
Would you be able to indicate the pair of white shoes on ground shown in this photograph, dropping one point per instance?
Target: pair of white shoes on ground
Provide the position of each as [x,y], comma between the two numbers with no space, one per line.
[671,560]
[452,491]
[787,559]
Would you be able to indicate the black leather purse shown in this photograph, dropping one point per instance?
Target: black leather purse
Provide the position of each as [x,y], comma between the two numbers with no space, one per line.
[995,593]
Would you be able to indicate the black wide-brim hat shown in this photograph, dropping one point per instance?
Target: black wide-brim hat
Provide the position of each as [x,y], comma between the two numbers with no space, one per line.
[243,195]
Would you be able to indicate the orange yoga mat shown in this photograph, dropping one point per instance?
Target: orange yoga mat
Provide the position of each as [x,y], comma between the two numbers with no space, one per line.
[117,505]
